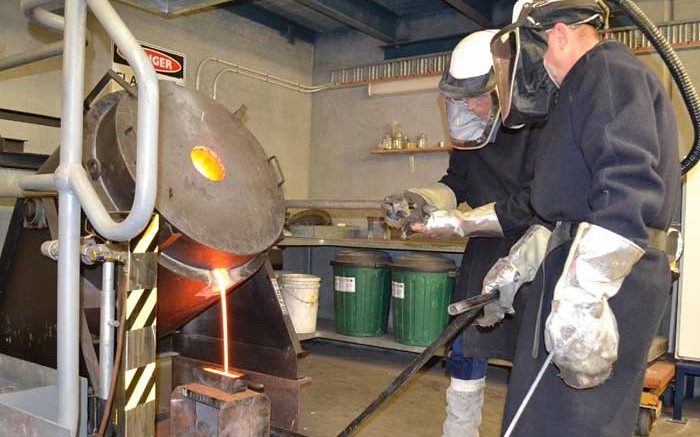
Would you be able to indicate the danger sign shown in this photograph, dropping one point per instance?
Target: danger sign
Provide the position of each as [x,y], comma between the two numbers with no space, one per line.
[168,65]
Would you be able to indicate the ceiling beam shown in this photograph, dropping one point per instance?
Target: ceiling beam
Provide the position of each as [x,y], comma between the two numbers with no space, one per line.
[422,47]
[474,10]
[287,28]
[363,15]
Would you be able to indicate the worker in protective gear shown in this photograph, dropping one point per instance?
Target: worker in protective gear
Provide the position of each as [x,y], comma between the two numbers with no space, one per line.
[606,183]
[490,169]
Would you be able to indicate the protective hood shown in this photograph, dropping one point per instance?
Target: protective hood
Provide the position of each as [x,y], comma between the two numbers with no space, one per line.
[468,87]
[526,89]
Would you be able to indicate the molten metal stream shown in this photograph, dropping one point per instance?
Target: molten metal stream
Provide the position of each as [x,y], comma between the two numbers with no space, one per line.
[221,283]
[224,323]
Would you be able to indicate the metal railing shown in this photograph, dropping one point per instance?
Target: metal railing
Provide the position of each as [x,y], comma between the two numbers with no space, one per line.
[72,182]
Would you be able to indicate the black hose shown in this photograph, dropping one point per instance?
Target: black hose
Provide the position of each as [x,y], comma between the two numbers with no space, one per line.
[678,71]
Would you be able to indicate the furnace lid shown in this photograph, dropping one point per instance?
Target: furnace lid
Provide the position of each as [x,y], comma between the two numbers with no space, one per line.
[216,184]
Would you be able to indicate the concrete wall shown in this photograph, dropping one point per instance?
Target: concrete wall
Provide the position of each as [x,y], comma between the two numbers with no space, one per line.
[279,118]
[347,123]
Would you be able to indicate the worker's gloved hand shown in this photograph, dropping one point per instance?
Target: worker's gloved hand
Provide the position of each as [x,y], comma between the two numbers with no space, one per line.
[477,222]
[581,330]
[508,274]
[416,204]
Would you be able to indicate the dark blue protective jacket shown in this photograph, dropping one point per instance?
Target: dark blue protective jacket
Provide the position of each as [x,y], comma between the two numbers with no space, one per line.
[609,156]
[500,172]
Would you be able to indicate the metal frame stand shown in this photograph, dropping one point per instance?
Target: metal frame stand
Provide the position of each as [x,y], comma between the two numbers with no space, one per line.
[685,378]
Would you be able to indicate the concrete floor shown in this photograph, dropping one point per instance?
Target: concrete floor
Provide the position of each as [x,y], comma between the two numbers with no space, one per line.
[346,378]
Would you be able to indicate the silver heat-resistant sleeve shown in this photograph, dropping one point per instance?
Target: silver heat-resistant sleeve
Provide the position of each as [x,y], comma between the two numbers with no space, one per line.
[508,274]
[478,222]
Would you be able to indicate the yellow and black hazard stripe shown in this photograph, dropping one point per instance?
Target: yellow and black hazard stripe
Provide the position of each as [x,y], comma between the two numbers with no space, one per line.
[141,308]
[148,241]
[140,386]
[139,377]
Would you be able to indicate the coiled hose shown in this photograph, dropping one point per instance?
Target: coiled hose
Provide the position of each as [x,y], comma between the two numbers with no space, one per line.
[678,72]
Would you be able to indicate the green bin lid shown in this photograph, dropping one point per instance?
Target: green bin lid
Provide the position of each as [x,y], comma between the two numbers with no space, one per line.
[423,262]
[362,258]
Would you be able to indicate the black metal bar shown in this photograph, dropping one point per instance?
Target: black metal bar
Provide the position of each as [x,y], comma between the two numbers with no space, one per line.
[24,161]
[28,117]
[471,303]
[422,47]
[363,15]
[290,29]
[469,10]
[109,76]
[452,329]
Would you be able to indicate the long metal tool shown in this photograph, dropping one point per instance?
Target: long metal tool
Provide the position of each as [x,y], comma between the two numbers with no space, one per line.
[471,308]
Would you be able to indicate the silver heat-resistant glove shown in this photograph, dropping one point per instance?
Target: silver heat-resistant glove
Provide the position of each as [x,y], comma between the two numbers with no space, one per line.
[508,274]
[477,222]
[416,204]
[581,330]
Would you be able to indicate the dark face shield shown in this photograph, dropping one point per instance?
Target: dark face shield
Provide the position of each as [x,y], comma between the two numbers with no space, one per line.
[473,122]
[525,88]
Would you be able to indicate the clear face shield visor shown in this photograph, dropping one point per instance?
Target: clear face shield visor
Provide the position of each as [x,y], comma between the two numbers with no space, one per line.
[473,122]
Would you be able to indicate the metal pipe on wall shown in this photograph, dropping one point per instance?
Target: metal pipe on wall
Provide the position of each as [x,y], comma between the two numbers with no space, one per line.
[107,311]
[254,74]
[262,76]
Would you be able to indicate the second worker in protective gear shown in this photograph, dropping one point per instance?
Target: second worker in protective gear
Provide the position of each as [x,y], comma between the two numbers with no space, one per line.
[490,169]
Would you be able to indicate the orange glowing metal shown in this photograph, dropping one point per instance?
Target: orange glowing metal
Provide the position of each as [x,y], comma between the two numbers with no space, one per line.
[229,374]
[222,279]
[208,163]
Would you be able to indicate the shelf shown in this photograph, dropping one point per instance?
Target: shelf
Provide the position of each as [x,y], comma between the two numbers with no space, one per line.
[453,245]
[326,329]
[409,151]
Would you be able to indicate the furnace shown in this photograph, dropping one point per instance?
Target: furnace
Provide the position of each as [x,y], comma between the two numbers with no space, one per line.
[198,284]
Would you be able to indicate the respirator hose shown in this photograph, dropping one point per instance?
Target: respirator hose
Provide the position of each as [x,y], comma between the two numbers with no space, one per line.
[678,71]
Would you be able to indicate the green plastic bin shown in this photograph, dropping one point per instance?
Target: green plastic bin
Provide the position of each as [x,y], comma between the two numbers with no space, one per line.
[362,281]
[422,286]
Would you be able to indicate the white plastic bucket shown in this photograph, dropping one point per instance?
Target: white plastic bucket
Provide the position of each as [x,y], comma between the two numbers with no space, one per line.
[300,293]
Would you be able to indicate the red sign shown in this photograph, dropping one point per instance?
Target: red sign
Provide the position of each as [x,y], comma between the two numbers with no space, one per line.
[162,62]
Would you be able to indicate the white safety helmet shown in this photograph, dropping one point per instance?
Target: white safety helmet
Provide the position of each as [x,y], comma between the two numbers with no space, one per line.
[471,102]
